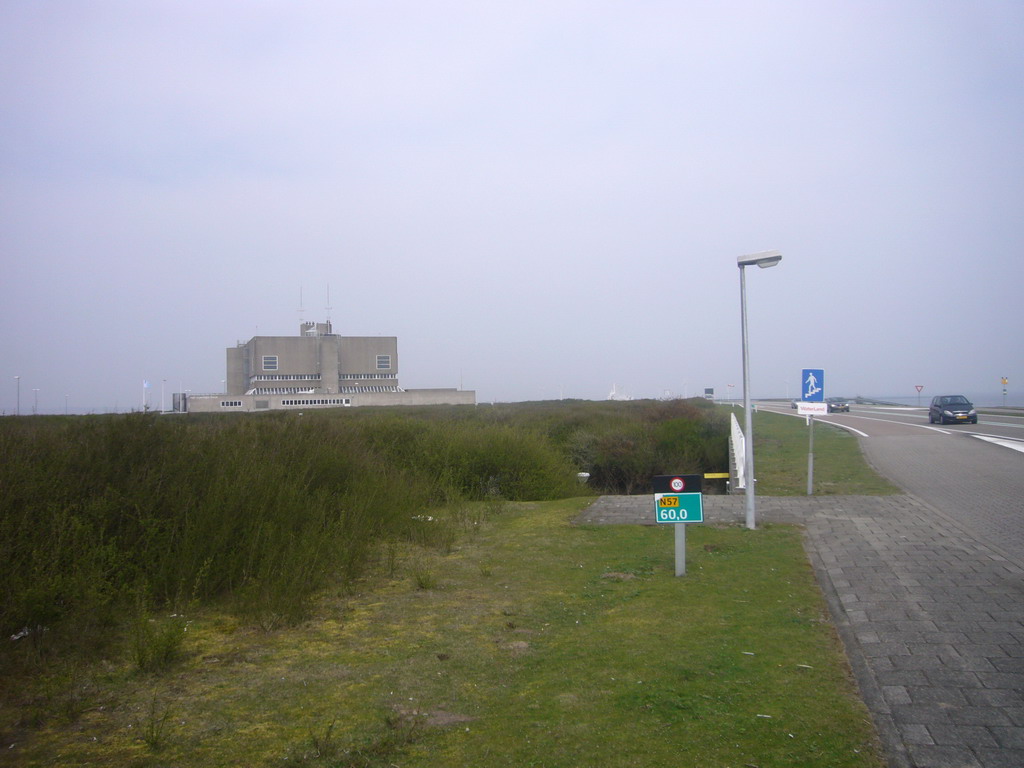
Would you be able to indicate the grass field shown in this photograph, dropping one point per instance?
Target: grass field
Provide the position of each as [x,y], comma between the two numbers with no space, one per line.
[525,640]
[781,444]
[533,643]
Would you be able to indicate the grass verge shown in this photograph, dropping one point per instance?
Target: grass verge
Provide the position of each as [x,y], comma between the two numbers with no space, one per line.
[781,445]
[531,642]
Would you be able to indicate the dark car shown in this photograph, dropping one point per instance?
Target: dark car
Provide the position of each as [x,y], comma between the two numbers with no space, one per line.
[951,409]
[837,405]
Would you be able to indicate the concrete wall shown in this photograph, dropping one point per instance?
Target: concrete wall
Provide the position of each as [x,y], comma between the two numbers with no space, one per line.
[417,397]
[295,355]
[325,355]
[237,379]
[328,356]
[358,355]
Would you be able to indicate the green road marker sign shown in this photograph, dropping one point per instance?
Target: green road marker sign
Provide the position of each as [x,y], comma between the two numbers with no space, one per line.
[678,508]
[678,499]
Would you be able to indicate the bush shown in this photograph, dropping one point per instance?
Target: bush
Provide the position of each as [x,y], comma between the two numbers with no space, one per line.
[265,509]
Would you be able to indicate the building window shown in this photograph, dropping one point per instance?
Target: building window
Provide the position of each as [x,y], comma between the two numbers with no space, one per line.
[230,403]
[383,362]
[324,401]
[270,362]
[287,377]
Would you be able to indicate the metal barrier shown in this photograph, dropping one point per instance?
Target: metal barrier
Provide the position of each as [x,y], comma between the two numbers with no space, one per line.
[737,455]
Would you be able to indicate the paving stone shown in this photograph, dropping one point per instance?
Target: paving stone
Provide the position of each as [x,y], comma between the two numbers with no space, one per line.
[916,733]
[896,694]
[930,694]
[994,697]
[971,736]
[1012,665]
[1010,736]
[934,756]
[1000,680]
[1001,758]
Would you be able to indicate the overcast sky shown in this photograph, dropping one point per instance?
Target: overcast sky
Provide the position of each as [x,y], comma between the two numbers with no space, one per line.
[539,199]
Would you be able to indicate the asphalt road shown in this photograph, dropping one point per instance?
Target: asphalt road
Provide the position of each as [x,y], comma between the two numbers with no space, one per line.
[972,473]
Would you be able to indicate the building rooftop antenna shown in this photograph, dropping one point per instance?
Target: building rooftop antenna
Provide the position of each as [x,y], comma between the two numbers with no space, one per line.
[328,307]
[301,310]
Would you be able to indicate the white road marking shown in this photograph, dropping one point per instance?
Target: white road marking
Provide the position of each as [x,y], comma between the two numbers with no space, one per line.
[1006,442]
[872,418]
[822,421]
[844,426]
[884,408]
[904,423]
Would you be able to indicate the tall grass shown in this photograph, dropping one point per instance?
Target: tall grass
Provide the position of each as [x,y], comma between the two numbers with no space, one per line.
[263,510]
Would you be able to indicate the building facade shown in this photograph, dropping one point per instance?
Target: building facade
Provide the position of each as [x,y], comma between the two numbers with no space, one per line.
[316,369]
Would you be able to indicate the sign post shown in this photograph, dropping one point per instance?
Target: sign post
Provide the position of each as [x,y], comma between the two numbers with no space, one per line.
[810,458]
[678,500]
[812,393]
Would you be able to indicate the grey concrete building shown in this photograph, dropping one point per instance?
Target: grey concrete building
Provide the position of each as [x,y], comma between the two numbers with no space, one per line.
[316,369]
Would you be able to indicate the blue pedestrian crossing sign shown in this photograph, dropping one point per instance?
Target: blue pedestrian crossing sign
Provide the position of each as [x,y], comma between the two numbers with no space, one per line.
[812,385]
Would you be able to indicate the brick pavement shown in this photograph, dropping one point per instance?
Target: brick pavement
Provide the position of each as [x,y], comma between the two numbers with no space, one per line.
[932,619]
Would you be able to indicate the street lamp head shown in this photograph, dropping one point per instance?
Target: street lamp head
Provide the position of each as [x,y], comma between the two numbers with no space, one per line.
[764,259]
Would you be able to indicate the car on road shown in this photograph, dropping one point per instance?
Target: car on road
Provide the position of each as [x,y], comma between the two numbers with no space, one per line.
[951,409]
[838,405]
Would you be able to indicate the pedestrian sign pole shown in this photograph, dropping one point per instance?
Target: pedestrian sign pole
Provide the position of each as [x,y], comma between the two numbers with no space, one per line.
[678,500]
[812,397]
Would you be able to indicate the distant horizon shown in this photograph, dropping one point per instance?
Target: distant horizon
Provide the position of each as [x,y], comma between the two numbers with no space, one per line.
[982,401]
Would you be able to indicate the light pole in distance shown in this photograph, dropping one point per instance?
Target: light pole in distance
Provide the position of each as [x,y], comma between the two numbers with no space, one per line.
[764,259]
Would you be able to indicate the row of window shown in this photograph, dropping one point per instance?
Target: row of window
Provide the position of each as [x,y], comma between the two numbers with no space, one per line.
[287,377]
[278,390]
[270,362]
[366,375]
[304,401]
[319,401]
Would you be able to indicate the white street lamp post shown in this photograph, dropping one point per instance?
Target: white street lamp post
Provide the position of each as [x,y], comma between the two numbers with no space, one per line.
[763,260]
[17,411]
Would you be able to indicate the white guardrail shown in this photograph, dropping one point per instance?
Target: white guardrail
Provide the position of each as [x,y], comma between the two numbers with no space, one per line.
[738,452]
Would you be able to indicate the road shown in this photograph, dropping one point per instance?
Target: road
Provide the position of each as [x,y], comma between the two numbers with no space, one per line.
[972,473]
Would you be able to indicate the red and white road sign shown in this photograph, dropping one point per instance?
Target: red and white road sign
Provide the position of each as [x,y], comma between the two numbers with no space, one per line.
[811,409]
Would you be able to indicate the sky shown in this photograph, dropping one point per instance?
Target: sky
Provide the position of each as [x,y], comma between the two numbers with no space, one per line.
[538,199]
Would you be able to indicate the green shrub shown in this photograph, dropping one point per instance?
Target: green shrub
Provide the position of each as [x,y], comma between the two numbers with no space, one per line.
[266,509]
